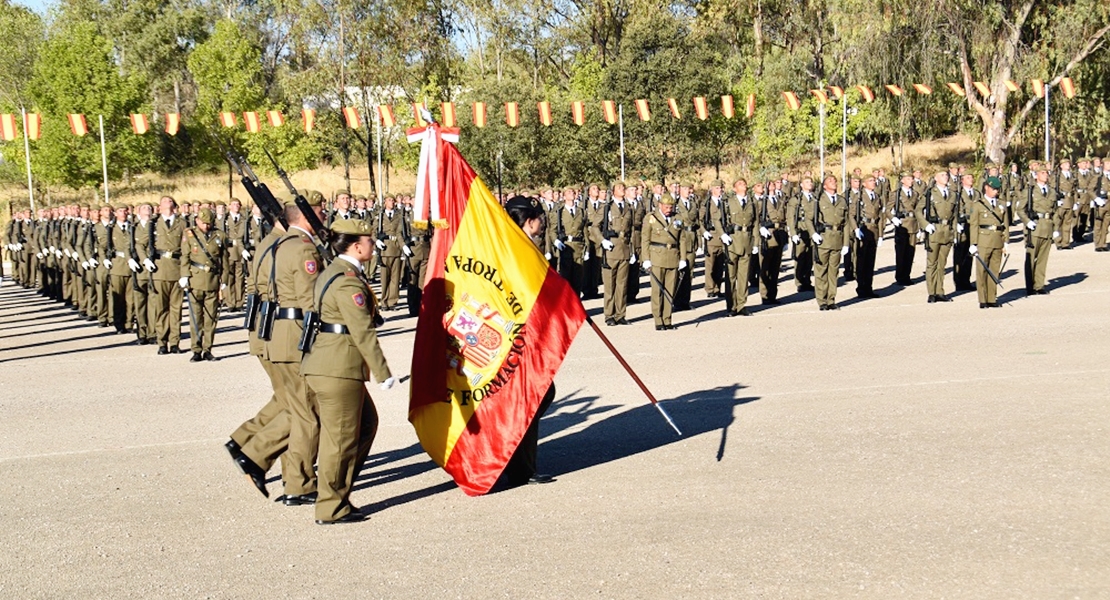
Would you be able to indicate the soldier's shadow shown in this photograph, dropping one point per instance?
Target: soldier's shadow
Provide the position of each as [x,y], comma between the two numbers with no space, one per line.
[634,431]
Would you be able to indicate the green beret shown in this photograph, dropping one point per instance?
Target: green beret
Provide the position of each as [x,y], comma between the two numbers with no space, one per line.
[206,216]
[994,182]
[351,227]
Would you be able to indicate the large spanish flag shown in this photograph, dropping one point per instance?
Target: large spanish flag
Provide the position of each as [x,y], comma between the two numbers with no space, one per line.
[495,324]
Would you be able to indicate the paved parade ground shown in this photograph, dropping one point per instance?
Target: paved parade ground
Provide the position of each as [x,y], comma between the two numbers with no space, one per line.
[891,449]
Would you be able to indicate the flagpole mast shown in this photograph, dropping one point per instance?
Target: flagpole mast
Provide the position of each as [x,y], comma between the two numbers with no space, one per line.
[104,159]
[821,110]
[378,128]
[620,125]
[1046,121]
[632,373]
[27,157]
[844,142]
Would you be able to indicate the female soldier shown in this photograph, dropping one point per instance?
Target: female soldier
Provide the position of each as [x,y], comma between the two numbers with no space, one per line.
[337,366]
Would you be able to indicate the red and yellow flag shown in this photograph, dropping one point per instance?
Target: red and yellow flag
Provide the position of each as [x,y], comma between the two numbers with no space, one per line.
[866,93]
[275,118]
[982,88]
[173,123]
[609,109]
[350,115]
[923,89]
[956,89]
[893,89]
[495,323]
[253,123]
[479,109]
[512,114]
[821,95]
[700,108]
[8,131]
[726,107]
[749,110]
[1068,87]
[34,126]
[417,116]
[227,119]
[139,124]
[1012,85]
[837,91]
[78,125]
[673,105]
[792,100]
[545,112]
[385,114]
[643,110]
[1038,87]
[578,112]
[448,110]
[308,116]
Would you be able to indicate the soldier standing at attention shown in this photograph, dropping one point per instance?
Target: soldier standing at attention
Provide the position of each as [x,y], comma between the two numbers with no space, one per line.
[800,210]
[711,222]
[967,195]
[336,376]
[1100,212]
[739,243]
[612,233]
[567,233]
[1085,182]
[144,292]
[901,206]
[639,212]
[391,244]
[773,231]
[663,247]
[169,231]
[104,255]
[1066,205]
[1039,220]
[119,271]
[201,261]
[828,229]
[868,232]
[938,210]
[989,233]
[234,273]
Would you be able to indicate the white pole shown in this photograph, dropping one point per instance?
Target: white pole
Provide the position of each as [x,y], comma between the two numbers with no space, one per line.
[844,143]
[104,159]
[822,149]
[27,157]
[620,125]
[1046,122]
[378,126]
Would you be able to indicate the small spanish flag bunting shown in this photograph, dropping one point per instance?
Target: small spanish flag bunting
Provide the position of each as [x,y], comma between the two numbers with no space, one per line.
[673,105]
[1012,85]
[416,116]
[275,118]
[893,89]
[34,126]
[308,115]
[700,109]
[253,123]
[8,131]
[77,125]
[173,123]
[227,119]
[448,109]
[922,89]
[866,93]
[726,107]
[956,89]
[545,112]
[982,88]
[821,96]
[643,110]
[512,114]
[139,124]
[350,114]
[1038,88]
[1068,87]
[578,112]
[479,112]
[385,115]
[749,110]
[792,101]
[837,91]
[609,109]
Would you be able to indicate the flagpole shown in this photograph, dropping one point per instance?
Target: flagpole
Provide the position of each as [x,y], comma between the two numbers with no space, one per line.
[632,373]
[27,157]
[620,125]
[844,143]
[1046,121]
[104,159]
[821,110]
[378,128]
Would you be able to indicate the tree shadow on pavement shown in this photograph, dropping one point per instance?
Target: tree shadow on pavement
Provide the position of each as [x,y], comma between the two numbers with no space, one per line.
[634,431]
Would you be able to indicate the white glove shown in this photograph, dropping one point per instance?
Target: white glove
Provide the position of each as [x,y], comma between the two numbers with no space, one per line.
[64,250]
[18,247]
[763,232]
[149,264]
[1100,202]
[880,240]
[920,235]
[585,256]
[896,221]
[707,235]
[796,239]
[843,250]
[930,228]
[133,265]
[607,245]
[1031,225]
[973,249]
[632,260]
[183,282]
[559,245]
[755,249]
[53,250]
[39,254]
[379,244]
[107,264]
[388,383]
[859,233]
[1055,234]
[699,252]
[547,255]
[817,239]
[959,227]
[678,223]
[246,255]
[681,264]
[1075,207]
[57,253]
[1059,203]
[406,250]
[726,238]
[570,238]
[647,264]
[85,264]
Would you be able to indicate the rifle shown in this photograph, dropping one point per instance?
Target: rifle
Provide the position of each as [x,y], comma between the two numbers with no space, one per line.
[818,226]
[928,214]
[406,234]
[272,210]
[378,235]
[309,214]
[606,234]
[765,223]
[859,225]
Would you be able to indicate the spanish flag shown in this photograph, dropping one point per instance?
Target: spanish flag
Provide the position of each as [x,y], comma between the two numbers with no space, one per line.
[578,112]
[545,112]
[275,117]
[479,109]
[700,108]
[308,115]
[512,114]
[448,111]
[173,123]
[982,88]
[8,131]
[956,89]
[351,117]
[1068,87]
[792,100]
[609,109]
[866,93]
[253,123]
[726,107]
[78,125]
[495,323]
[139,124]
[227,119]
[34,126]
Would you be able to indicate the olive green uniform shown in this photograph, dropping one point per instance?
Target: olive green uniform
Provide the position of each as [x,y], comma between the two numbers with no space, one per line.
[937,208]
[772,246]
[1101,212]
[1040,209]
[614,225]
[740,249]
[201,261]
[120,298]
[1066,208]
[831,216]
[663,244]
[390,236]
[143,296]
[168,295]
[989,232]
[235,229]
[104,255]
[711,221]
[568,227]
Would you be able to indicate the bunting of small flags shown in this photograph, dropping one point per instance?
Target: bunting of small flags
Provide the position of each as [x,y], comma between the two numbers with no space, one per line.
[275,118]
[479,114]
[643,110]
[673,105]
[308,116]
[139,124]
[545,113]
[34,126]
[512,114]
[78,125]
[385,115]
[8,131]
[173,123]
[609,109]
[350,115]
[448,109]
[227,119]
[252,122]
[578,112]
[726,107]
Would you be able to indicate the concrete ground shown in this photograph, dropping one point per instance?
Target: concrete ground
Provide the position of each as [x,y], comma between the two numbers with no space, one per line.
[890,449]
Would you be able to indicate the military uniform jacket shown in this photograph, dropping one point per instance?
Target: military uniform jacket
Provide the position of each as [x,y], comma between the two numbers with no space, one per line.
[256,229]
[296,266]
[573,227]
[869,207]
[121,249]
[259,283]
[1085,186]
[1066,183]
[202,258]
[745,224]
[941,213]
[347,301]
[688,211]
[391,225]
[167,247]
[142,240]
[800,210]
[86,242]
[904,207]
[835,217]
[712,218]
[1039,207]
[968,198]
[235,228]
[987,224]
[662,242]
[776,214]
[103,233]
[619,229]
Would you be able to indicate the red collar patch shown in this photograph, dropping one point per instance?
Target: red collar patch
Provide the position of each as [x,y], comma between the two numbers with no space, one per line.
[310,267]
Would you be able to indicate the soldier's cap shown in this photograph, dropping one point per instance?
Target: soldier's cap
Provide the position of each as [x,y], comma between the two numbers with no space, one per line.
[1085,159]
[121,206]
[221,203]
[666,199]
[351,227]
[994,182]
[905,174]
[206,216]
[522,203]
[339,193]
[363,198]
[716,183]
[1065,161]
[570,188]
[953,165]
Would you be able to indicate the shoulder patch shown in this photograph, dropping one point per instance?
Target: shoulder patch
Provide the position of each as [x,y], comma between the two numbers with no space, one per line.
[360,300]
[310,267]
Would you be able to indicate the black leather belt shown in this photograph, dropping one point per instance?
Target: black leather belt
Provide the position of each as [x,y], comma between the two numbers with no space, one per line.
[289,314]
[667,246]
[991,227]
[743,228]
[333,328]
[205,268]
[870,221]
[169,255]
